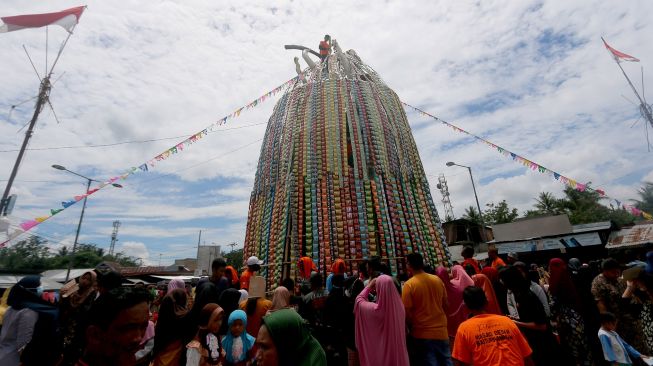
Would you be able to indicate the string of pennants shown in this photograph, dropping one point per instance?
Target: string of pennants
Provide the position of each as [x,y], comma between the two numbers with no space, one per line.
[533,165]
[176,149]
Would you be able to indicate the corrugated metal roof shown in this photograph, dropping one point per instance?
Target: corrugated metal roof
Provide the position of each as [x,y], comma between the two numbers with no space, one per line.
[635,235]
[59,275]
[592,226]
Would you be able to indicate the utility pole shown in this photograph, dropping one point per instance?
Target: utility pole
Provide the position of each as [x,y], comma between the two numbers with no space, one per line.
[160,254]
[44,94]
[114,237]
[232,245]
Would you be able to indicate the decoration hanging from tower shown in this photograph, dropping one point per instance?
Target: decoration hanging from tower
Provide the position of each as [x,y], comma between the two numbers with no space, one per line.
[339,176]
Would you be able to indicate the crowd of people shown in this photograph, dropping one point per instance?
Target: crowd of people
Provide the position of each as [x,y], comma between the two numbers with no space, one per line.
[496,312]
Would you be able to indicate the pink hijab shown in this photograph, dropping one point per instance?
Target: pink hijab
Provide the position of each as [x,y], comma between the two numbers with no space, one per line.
[381,326]
[176,283]
[280,298]
[455,286]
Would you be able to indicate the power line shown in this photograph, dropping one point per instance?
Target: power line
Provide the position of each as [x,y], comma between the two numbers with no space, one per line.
[126,142]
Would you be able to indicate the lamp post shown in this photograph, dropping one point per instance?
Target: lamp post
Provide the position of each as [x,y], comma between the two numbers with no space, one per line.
[478,206]
[81,216]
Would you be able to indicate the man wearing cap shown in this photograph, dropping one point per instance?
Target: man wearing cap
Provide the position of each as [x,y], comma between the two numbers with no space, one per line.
[512,258]
[253,266]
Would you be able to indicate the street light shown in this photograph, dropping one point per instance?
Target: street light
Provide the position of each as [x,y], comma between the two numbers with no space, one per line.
[478,206]
[81,216]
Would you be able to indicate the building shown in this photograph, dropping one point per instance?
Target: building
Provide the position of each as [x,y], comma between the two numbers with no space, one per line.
[635,236]
[461,233]
[190,263]
[205,256]
[539,239]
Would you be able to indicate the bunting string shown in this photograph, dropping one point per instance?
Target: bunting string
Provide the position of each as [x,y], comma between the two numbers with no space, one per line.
[533,165]
[28,225]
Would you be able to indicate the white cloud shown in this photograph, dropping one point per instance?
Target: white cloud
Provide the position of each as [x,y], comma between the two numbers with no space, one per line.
[138,72]
[137,250]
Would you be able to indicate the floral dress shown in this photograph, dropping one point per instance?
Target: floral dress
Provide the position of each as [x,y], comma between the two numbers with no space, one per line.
[571,328]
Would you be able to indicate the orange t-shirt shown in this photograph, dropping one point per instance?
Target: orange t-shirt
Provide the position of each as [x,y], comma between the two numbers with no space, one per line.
[244,279]
[423,296]
[490,340]
[498,263]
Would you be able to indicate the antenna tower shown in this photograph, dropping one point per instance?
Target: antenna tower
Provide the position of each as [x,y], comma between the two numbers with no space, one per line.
[446,201]
[114,236]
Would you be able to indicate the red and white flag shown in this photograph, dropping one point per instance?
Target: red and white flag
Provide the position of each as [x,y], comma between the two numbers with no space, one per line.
[66,18]
[619,56]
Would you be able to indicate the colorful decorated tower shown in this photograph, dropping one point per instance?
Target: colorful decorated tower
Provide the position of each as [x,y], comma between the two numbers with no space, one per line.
[340,176]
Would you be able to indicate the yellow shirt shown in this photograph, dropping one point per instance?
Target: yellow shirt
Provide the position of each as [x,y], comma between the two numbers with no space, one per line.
[423,296]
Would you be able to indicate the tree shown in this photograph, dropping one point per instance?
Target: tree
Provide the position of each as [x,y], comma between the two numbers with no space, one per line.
[645,201]
[499,213]
[548,204]
[26,255]
[585,207]
[235,258]
[472,215]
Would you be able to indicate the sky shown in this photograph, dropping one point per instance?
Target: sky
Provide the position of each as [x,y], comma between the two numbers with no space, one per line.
[530,76]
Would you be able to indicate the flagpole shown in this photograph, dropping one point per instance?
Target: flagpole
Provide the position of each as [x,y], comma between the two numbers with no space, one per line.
[644,108]
[44,94]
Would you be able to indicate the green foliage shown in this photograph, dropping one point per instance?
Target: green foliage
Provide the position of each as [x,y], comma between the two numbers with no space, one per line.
[645,201]
[471,214]
[30,254]
[33,255]
[235,258]
[499,213]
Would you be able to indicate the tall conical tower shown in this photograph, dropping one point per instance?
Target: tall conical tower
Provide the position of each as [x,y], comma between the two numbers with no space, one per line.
[340,176]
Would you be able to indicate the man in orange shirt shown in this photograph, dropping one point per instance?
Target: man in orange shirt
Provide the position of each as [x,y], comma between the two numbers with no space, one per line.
[495,261]
[253,266]
[488,339]
[425,299]
[325,47]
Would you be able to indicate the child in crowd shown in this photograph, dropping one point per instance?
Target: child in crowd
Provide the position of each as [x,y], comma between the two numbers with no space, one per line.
[616,350]
[205,348]
[237,343]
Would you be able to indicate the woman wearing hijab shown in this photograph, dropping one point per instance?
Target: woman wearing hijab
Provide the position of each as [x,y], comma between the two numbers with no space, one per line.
[244,295]
[207,293]
[284,340]
[499,289]
[206,348]
[232,275]
[168,342]
[238,345]
[256,305]
[280,299]
[337,268]
[531,318]
[176,283]
[381,326]
[566,309]
[455,286]
[29,328]
[73,309]
[229,301]
[483,282]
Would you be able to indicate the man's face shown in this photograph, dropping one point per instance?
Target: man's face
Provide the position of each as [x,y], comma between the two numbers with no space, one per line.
[267,351]
[612,274]
[219,272]
[123,337]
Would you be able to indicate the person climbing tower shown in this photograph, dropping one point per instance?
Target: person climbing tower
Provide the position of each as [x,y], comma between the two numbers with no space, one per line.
[325,47]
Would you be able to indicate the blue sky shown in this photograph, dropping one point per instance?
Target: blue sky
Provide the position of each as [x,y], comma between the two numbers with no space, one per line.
[531,76]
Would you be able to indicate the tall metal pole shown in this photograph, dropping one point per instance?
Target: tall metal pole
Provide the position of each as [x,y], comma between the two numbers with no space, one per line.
[79,226]
[478,206]
[44,91]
